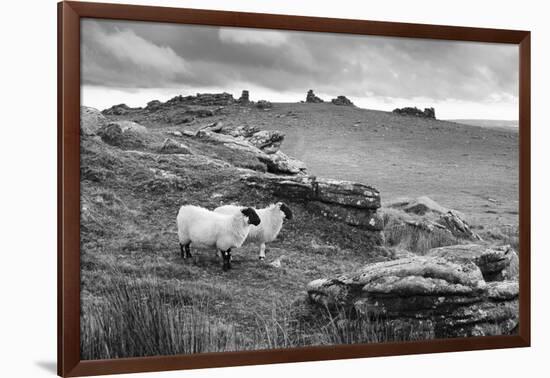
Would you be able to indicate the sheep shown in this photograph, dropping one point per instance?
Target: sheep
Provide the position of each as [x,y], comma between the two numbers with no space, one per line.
[271,222]
[201,226]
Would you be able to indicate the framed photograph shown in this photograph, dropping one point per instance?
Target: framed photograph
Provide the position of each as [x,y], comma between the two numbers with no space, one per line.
[239,188]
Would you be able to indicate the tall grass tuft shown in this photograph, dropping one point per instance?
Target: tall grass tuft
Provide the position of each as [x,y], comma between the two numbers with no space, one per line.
[502,234]
[138,318]
[351,327]
[283,329]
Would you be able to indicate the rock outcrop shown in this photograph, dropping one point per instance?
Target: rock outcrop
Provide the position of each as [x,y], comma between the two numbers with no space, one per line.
[263,104]
[281,163]
[120,109]
[339,192]
[91,120]
[245,98]
[170,146]
[153,106]
[130,126]
[418,206]
[434,216]
[311,98]
[495,263]
[367,219]
[268,141]
[429,112]
[342,100]
[453,296]
[344,201]
[180,119]
[409,111]
[114,135]
[453,222]
[276,162]
[264,144]
[203,99]
[242,131]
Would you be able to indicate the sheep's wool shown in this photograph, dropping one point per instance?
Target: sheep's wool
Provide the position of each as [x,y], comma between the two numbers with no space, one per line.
[204,227]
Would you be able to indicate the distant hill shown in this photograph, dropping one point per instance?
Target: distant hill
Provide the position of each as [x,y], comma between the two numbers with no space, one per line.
[493,123]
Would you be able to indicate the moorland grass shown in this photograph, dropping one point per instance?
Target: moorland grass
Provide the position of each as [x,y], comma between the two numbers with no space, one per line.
[143,317]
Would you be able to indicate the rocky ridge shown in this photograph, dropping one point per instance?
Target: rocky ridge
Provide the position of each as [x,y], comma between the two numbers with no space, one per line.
[410,111]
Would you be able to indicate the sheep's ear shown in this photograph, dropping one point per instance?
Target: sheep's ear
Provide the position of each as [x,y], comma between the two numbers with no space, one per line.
[253,217]
[286,210]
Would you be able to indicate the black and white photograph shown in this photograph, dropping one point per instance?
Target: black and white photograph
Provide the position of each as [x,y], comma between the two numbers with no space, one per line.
[248,189]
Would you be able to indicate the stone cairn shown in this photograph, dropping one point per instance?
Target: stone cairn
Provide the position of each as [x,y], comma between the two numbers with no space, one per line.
[245,98]
[429,112]
[311,98]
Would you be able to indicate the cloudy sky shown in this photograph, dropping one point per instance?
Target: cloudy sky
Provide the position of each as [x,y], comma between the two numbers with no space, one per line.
[135,62]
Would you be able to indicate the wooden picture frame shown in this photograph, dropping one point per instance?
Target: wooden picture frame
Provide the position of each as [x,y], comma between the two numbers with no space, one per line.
[69,16]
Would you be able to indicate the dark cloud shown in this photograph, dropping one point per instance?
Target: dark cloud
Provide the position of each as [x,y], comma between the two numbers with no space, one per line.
[150,55]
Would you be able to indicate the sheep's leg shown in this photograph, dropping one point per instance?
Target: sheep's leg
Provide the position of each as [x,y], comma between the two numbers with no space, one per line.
[262,251]
[187,253]
[226,259]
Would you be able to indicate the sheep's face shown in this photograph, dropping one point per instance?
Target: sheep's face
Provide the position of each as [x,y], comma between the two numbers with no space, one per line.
[251,216]
[285,209]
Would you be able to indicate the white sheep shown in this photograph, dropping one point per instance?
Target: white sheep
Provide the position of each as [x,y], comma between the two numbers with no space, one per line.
[271,222]
[200,226]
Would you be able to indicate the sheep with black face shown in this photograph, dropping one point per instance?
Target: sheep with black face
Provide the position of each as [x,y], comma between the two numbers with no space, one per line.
[200,226]
[271,222]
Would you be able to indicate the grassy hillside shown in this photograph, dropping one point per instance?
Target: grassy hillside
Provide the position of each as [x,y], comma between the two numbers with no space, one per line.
[140,298]
[130,254]
[468,168]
